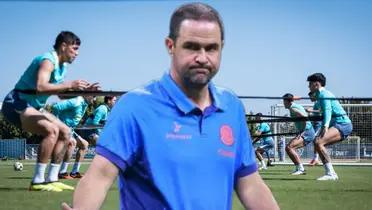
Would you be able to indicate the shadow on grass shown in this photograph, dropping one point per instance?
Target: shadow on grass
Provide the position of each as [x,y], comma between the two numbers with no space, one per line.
[286,178]
[13,189]
[274,173]
[19,177]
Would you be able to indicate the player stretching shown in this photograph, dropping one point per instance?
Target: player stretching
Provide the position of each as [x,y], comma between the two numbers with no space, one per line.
[267,142]
[305,133]
[336,125]
[71,111]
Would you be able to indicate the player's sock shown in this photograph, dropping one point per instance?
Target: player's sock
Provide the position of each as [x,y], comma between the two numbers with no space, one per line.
[263,164]
[76,168]
[39,173]
[53,172]
[64,167]
[316,156]
[301,167]
[329,169]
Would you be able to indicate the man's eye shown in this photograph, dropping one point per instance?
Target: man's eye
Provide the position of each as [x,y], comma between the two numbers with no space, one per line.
[191,46]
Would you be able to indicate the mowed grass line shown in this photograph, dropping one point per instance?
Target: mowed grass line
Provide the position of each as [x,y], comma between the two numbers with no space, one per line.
[352,191]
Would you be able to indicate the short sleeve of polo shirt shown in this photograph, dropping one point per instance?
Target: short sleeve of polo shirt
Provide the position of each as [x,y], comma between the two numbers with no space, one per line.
[119,139]
[247,160]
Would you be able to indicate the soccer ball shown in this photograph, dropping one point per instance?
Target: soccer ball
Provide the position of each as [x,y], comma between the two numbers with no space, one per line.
[18,166]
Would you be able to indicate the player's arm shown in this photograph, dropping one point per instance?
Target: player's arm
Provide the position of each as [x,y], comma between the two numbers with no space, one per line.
[44,86]
[92,188]
[63,105]
[98,116]
[254,194]
[326,106]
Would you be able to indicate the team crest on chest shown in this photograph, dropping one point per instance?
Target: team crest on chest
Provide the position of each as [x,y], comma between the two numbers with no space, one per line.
[226,135]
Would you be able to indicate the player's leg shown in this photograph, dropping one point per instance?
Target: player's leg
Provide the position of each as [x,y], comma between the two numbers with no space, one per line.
[82,145]
[36,122]
[59,150]
[93,138]
[334,135]
[63,172]
[315,160]
[259,152]
[291,147]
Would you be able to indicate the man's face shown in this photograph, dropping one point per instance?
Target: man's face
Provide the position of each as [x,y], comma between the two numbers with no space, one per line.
[314,86]
[112,102]
[287,104]
[89,99]
[70,52]
[196,54]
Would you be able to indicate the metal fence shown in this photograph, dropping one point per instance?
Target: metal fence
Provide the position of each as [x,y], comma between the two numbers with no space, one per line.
[12,148]
[357,147]
[31,152]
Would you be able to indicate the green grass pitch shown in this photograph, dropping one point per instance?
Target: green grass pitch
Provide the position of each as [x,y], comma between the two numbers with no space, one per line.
[352,191]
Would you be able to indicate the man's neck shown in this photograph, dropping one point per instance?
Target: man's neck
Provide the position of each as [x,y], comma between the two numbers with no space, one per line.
[201,97]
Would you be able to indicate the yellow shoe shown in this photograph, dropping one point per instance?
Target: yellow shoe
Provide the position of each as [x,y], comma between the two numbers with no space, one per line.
[62,186]
[44,187]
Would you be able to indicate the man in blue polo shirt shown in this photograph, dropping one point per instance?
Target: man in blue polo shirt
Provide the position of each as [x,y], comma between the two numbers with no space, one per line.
[305,132]
[336,125]
[179,142]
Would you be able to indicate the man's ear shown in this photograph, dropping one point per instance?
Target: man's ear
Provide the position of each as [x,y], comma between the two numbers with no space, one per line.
[63,46]
[169,44]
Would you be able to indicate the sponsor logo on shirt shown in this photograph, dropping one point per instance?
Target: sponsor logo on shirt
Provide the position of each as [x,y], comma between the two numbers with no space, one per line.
[176,135]
[226,153]
[226,135]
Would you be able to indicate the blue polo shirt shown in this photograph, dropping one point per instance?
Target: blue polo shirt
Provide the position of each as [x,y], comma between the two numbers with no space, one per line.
[70,111]
[170,154]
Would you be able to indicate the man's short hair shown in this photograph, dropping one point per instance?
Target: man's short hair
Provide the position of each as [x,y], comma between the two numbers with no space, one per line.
[288,97]
[193,11]
[317,77]
[66,37]
[259,114]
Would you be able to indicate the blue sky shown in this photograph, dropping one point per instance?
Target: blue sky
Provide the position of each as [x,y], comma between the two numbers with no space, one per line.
[270,47]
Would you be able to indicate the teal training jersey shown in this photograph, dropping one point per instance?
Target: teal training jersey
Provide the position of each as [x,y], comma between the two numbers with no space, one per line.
[264,128]
[28,79]
[301,109]
[331,109]
[99,117]
[70,111]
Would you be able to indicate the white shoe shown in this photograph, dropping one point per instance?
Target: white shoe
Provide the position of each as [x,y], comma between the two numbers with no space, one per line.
[332,177]
[262,168]
[298,172]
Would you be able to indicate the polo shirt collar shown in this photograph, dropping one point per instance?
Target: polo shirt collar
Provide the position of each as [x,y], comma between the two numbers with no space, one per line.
[181,100]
